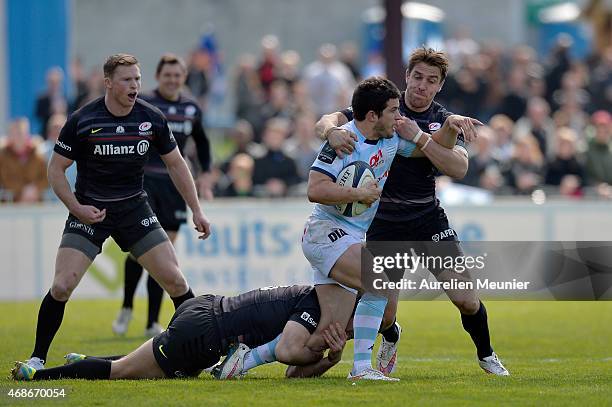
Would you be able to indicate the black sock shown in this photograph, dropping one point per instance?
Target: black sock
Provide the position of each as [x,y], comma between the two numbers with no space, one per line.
[156,294]
[132,274]
[182,298]
[391,334]
[50,317]
[83,369]
[478,328]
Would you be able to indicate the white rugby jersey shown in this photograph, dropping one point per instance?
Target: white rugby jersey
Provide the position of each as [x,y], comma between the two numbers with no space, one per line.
[378,154]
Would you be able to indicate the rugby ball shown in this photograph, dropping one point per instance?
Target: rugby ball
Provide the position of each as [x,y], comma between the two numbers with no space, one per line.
[354,175]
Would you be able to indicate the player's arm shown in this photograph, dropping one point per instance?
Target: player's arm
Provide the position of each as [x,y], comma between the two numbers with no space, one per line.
[291,348]
[341,140]
[56,174]
[202,143]
[335,337]
[183,181]
[322,189]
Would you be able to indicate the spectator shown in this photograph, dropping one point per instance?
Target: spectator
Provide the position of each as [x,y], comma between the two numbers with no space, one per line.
[303,145]
[95,88]
[238,181]
[268,66]
[525,172]
[599,152]
[53,100]
[539,124]
[198,81]
[23,170]
[274,171]
[601,82]
[483,169]
[248,91]
[565,162]
[503,128]
[289,67]
[514,102]
[279,105]
[241,136]
[329,82]
[349,56]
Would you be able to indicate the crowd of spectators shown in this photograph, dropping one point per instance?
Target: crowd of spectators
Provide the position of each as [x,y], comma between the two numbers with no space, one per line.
[548,119]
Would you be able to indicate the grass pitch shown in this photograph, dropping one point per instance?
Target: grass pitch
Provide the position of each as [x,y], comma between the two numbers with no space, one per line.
[558,353]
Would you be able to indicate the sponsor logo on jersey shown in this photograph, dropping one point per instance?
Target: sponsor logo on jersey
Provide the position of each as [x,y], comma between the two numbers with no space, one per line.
[377,159]
[81,226]
[64,146]
[146,222]
[110,149]
[119,130]
[144,126]
[142,147]
[336,234]
[444,234]
[96,130]
[190,110]
[172,110]
[434,126]
[306,317]
[327,154]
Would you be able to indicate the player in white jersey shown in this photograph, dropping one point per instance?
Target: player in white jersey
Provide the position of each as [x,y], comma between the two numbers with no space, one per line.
[332,242]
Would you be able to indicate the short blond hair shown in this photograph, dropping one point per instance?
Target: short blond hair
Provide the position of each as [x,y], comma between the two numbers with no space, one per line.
[113,61]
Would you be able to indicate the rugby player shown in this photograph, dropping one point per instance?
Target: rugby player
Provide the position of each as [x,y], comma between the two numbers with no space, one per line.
[109,139]
[185,120]
[332,242]
[204,328]
[409,210]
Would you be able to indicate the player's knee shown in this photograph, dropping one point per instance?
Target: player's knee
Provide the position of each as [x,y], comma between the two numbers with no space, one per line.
[62,290]
[467,306]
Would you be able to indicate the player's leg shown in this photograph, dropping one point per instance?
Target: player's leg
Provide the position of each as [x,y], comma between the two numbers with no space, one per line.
[141,234]
[156,296]
[70,266]
[140,364]
[132,272]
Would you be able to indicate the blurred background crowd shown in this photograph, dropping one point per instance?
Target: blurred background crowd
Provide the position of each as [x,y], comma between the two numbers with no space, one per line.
[548,117]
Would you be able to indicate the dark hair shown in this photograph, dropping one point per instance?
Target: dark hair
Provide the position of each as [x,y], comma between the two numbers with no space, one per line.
[373,94]
[114,61]
[431,57]
[170,59]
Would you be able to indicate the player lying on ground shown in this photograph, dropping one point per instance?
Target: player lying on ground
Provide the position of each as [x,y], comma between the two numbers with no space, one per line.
[204,328]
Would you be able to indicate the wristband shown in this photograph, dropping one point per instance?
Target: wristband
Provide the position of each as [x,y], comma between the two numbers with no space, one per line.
[417,137]
[426,144]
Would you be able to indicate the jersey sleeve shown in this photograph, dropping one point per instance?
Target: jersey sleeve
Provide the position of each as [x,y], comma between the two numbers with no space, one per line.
[405,147]
[67,144]
[307,312]
[327,162]
[348,113]
[163,138]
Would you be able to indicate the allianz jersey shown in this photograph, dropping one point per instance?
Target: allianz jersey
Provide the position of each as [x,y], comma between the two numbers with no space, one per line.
[378,154]
[110,151]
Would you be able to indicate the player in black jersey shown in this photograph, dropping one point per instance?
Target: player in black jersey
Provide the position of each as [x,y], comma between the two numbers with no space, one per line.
[185,120]
[202,330]
[109,139]
[409,210]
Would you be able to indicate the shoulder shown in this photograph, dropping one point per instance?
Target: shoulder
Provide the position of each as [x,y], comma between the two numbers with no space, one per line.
[439,111]
[190,104]
[148,96]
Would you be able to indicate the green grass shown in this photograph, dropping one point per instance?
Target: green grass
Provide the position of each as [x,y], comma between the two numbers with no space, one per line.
[559,353]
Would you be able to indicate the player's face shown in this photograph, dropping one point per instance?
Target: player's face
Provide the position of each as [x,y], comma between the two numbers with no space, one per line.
[171,79]
[422,84]
[124,85]
[385,126]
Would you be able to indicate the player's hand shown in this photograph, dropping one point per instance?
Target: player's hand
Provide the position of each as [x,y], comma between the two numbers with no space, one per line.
[335,337]
[202,224]
[465,125]
[88,214]
[406,128]
[370,193]
[342,141]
